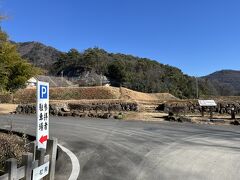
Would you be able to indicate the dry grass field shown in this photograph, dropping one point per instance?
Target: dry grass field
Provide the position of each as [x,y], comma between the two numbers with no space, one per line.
[73,93]
[139,96]
[223,98]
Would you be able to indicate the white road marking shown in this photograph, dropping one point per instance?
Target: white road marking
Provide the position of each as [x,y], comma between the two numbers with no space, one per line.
[75,163]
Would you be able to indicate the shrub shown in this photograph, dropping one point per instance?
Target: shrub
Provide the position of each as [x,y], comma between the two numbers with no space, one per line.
[11,146]
[6,97]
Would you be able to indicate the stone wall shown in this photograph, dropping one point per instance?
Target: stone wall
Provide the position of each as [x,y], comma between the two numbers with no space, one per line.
[82,110]
[223,107]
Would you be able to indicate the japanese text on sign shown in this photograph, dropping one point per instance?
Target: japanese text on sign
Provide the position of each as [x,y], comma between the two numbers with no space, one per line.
[41,171]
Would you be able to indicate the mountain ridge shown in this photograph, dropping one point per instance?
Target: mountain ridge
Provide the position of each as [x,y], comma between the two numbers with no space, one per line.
[227,82]
[38,53]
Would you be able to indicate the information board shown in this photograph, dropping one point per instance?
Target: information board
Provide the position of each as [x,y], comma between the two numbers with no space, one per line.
[207,103]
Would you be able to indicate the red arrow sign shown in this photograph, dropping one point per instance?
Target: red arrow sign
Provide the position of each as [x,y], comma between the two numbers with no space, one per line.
[43,139]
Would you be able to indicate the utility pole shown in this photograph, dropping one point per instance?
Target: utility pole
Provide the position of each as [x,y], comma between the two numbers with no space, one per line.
[98,71]
[62,78]
[197,93]
[101,79]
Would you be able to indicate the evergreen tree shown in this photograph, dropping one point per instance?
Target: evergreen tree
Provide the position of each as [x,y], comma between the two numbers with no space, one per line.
[14,71]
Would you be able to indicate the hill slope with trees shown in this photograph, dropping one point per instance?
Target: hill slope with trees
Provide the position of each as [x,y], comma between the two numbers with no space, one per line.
[129,71]
[140,74]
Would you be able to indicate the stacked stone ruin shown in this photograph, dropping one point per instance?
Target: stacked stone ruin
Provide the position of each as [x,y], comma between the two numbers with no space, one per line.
[223,107]
[102,110]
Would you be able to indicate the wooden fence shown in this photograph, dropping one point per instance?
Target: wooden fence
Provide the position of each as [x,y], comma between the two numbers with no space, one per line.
[35,158]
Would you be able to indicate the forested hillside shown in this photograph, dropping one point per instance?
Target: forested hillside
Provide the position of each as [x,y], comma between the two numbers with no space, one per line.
[136,73]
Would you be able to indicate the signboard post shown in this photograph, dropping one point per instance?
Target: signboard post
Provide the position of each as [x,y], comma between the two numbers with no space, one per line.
[207,103]
[42,114]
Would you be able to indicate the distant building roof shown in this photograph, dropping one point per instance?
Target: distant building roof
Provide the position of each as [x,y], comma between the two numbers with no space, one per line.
[55,81]
[52,80]
[92,78]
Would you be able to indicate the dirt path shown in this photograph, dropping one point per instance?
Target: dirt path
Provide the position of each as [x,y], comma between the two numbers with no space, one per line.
[7,108]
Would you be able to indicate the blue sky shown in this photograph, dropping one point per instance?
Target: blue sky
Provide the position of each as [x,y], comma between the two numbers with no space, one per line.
[197,36]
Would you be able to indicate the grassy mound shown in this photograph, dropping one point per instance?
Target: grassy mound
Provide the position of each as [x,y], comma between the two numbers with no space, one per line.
[139,96]
[75,93]
[92,93]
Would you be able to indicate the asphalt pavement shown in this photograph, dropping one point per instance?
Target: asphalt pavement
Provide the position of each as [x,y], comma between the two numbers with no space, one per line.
[109,149]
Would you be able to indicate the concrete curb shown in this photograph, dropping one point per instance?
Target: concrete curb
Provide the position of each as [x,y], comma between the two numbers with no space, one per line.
[75,163]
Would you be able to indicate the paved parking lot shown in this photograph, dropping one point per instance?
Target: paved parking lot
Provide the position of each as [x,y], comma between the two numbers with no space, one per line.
[115,149]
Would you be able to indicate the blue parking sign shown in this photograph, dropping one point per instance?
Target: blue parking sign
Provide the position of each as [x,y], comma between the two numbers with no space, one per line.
[43,92]
[42,109]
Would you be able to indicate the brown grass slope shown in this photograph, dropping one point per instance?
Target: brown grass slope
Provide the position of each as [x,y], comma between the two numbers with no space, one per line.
[148,97]
[92,93]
